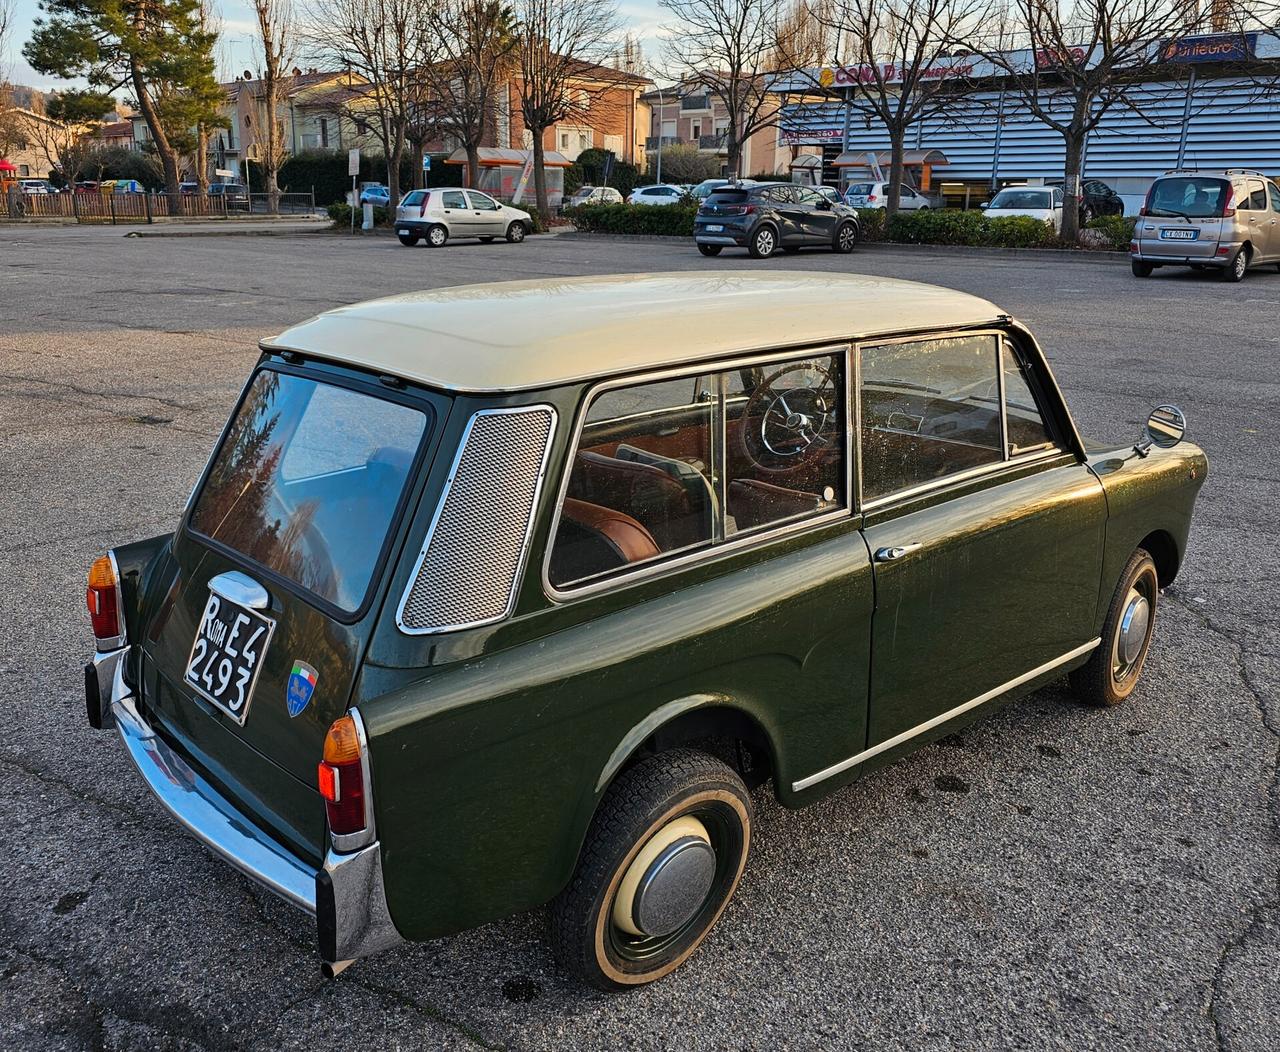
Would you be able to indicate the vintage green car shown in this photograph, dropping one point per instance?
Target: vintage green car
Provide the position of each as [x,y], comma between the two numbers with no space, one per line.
[507,595]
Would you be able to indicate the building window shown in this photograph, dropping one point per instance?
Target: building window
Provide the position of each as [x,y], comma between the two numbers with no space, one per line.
[324,133]
[695,129]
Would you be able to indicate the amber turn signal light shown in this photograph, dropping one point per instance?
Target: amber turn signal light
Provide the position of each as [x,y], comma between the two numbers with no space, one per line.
[340,777]
[103,598]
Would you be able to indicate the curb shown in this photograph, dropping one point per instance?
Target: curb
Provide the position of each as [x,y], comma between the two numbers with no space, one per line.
[1060,255]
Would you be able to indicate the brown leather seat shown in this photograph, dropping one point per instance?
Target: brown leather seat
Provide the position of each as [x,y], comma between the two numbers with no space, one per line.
[753,503]
[656,500]
[592,540]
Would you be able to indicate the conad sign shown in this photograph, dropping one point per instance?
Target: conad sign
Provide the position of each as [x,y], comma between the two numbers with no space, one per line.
[888,73]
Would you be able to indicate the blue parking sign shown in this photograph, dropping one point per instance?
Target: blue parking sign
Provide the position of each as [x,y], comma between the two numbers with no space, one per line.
[426,162]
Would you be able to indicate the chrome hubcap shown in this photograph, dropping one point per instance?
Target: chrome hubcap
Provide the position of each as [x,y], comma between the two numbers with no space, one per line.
[1133,628]
[437,237]
[667,882]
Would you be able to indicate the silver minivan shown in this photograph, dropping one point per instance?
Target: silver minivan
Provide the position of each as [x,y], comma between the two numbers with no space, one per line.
[1228,220]
[438,215]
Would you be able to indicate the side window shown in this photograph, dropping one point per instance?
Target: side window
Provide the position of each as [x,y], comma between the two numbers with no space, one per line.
[482,203]
[1242,197]
[1057,197]
[1025,424]
[677,466]
[454,199]
[780,195]
[930,408]
[1257,196]
[1274,191]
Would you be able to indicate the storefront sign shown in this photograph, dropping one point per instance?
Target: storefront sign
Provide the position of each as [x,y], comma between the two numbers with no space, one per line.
[889,73]
[1221,47]
[1048,58]
[810,135]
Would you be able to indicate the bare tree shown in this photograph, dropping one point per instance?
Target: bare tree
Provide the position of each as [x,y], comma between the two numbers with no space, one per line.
[729,50]
[561,46]
[1071,62]
[899,70]
[384,44]
[276,40]
[477,42]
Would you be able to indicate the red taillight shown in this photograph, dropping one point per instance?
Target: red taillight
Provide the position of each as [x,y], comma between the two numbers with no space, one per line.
[340,777]
[1229,204]
[423,210]
[871,197]
[103,599]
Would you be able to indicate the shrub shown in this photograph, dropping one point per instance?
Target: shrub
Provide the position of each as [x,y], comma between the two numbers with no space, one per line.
[340,213]
[1118,230]
[951,226]
[672,220]
[872,222]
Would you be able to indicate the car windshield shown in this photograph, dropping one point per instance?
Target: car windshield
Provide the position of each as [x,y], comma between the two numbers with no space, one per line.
[1195,197]
[860,189]
[1023,199]
[308,480]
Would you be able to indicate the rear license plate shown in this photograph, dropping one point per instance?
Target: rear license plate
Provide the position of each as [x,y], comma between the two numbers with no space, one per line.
[403,233]
[714,228]
[1179,234]
[227,653]
[857,200]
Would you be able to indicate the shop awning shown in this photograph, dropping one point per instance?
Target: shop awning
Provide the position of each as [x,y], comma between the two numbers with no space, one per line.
[492,157]
[807,160]
[860,158]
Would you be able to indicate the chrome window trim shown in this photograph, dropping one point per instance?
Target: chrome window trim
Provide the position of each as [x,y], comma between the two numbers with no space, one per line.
[941,718]
[1008,457]
[517,578]
[344,842]
[645,571]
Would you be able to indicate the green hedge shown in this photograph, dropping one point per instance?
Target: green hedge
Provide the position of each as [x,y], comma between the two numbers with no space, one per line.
[671,220]
[953,226]
[1118,230]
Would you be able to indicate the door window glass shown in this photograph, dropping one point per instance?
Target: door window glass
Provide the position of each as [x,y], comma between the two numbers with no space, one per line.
[680,465]
[1025,423]
[482,203]
[1274,191]
[808,197]
[930,408]
[1257,196]
[454,199]
[1242,196]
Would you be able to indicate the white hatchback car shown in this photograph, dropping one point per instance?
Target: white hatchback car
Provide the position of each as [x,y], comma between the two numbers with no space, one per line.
[656,194]
[435,216]
[1022,199]
[876,195]
[595,195]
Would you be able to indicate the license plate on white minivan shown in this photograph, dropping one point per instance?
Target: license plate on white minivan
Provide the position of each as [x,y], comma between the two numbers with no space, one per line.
[1179,234]
[227,654]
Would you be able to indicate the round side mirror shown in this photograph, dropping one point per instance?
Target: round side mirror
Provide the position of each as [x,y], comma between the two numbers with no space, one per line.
[1166,426]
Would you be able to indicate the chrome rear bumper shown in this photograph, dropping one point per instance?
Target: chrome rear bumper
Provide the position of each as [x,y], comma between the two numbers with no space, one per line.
[346,896]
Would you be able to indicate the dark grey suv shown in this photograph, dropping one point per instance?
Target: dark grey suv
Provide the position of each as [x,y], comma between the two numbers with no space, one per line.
[768,216]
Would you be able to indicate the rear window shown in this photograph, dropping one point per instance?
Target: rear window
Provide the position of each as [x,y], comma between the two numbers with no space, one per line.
[860,189]
[414,197]
[1193,196]
[727,197]
[308,482]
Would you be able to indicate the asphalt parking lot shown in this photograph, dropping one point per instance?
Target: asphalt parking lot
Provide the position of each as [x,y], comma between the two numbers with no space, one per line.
[1052,877]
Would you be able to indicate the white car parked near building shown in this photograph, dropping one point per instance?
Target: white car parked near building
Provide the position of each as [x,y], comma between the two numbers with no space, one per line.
[655,194]
[876,195]
[1038,202]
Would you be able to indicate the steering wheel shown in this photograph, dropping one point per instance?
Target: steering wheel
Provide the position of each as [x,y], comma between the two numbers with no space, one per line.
[786,426]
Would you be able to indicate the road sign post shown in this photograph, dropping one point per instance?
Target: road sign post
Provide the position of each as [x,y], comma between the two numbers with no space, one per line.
[426,168]
[353,170]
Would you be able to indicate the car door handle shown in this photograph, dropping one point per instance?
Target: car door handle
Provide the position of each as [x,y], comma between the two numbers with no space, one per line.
[888,555]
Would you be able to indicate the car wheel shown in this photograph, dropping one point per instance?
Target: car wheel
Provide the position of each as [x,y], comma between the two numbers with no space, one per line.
[846,239]
[408,240]
[1115,665]
[516,233]
[662,858]
[1235,270]
[1140,269]
[764,242]
[437,236]
[710,250]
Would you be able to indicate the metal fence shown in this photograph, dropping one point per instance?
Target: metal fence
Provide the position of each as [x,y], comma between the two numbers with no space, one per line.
[94,207]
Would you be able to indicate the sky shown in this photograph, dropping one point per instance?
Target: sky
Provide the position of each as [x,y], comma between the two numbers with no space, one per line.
[237,51]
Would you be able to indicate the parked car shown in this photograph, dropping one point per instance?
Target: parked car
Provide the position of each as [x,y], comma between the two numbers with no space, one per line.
[1229,220]
[121,186]
[189,188]
[438,215]
[35,186]
[764,217]
[235,194]
[88,186]
[375,194]
[704,189]
[1096,199]
[503,620]
[595,195]
[1022,199]
[656,194]
[876,195]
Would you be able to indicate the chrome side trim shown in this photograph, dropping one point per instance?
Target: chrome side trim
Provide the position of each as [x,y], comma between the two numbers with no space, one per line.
[206,813]
[937,721]
[994,468]
[240,588]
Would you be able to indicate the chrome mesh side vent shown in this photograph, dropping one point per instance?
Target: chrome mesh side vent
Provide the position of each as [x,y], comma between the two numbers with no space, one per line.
[471,560]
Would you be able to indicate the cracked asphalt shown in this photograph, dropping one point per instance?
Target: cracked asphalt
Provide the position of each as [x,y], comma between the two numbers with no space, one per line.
[1050,878]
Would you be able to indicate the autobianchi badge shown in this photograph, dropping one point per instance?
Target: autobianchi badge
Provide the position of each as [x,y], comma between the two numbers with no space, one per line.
[302,684]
